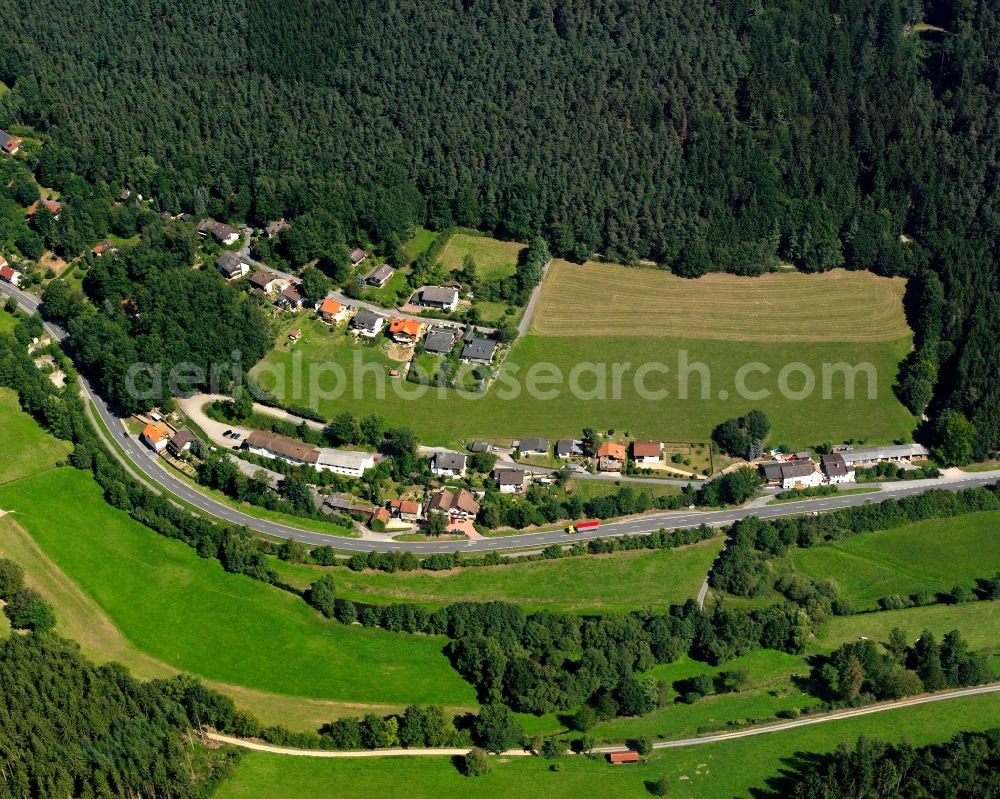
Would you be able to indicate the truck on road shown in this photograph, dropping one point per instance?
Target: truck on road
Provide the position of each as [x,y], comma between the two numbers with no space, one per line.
[579,527]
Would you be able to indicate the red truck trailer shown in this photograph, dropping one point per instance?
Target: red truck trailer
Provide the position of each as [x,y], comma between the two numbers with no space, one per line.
[579,527]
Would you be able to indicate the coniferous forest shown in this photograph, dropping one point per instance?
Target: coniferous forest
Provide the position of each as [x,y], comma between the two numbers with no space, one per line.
[708,136]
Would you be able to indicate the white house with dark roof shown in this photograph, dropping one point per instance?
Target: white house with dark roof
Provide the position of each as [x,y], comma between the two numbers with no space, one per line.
[479,350]
[569,448]
[380,275]
[836,469]
[440,342]
[367,323]
[800,473]
[357,256]
[220,231]
[443,298]
[448,464]
[533,446]
[510,481]
[231,266]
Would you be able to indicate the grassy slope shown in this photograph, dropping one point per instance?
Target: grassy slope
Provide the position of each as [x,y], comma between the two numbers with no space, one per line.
[717,770]
[189,613]
[623,581]
[494,259]
[26,448]
[934,555]
[447,418]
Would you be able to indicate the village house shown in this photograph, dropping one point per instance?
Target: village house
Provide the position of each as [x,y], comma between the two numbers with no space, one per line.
[379,276]
[52,205]
[291,298]
[647,451]
[357,256]
[231,266]
[405,510]
[104,247]
[480,446]
[479,350]
[568,448]
[367,323]
[510,481]
[441,298]
[9,274]
[220,231]
[348,462]
[271,445]
[439,342]
[799,473]
[294,335]
[532,446]
[896,453]
[154,435]
[8,143]
[610,457]
[836,469]
[333,311]
[404,331]
[448,464]
[459,506]
[268,282]
[181,442]
[276,227]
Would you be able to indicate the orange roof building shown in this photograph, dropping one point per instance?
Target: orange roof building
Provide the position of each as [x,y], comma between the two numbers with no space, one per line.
[154,436]
[330,309]
[609,449]
[52,205]
[405,328]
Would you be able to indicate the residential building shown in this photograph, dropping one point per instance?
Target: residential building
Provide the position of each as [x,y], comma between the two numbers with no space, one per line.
[52,205]
[480,446]
[568,448]
[268,282]
[348,462]
[367,323]
[8,143]
[294,335]
[459,505]
[479,350]
[271,445]
[440,297]
[357,256]
[221,232]
[836,469]
[231,266]
[510,481]
[104,247]
[291,298]
[332,311]
[379,276]
[891,454]
[405,509]
[440,342]
[610,457]
[404,331]
[532,446]
[799,473]
[448,464]
[181,442]
[154,435]
[9,274]
[647,451]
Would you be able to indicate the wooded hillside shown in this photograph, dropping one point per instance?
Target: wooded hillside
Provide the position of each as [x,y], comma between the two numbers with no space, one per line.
[707,136]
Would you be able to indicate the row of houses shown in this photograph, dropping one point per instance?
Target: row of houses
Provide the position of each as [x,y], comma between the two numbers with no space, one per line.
[611,456]
[350,463]
[159,436]
[801,471]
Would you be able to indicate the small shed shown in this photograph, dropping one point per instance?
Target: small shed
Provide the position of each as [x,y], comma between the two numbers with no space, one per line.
[620,758]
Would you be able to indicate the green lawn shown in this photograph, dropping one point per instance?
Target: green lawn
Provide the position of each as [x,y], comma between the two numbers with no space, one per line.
[494,259]
[933,555]
[26,448]
[444,417]
[714,771]
[420,243]
[8,321]
[623,581]
[591,489]
[189,613]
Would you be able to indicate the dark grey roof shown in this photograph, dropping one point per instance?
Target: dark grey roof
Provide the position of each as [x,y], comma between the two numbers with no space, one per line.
[797,468]
[5,138]
[510,477]
[834,465]
[883,453]
[438,294]
[181,439]
[439,341]
[479,349]
[262,277]
[533,445]
[228,263]
[479,446]
[568,446]
[379,274]
[366,320]
[772,470]
[449,460]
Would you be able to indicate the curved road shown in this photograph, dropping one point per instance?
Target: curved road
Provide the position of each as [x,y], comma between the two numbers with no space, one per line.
[766,729]
[146,465]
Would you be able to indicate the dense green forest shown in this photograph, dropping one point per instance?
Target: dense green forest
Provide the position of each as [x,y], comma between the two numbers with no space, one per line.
[727,135]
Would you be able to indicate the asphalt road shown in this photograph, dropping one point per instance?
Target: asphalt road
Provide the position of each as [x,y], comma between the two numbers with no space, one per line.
[148,465]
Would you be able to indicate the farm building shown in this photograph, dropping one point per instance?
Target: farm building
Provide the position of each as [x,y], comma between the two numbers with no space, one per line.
[836,469]
[621,758]
[347,462]
[800,473]
[271,445]
[891,454]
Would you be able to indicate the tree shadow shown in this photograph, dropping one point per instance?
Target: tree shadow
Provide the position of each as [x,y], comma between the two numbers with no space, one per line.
[793,769]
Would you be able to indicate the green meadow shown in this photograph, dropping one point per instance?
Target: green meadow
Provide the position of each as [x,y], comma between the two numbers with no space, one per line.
[933,555]
[26,448]
[189,613]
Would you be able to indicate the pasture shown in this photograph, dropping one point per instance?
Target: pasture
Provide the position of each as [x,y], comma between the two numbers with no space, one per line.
[187,612]
[933,555]
[26,448]
[732,768]
[494,259]
[589,583]
[779,307]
